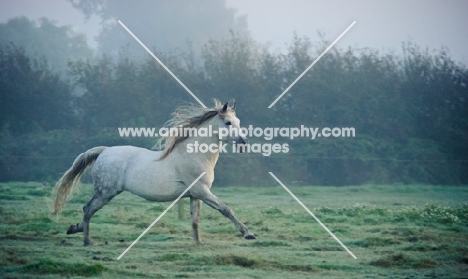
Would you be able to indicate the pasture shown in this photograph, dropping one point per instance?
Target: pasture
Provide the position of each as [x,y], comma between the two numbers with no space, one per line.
[396,231]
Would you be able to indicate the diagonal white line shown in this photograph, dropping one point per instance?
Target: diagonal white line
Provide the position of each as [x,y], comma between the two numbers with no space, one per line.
[313,63]
[312,214]
[162,64]
[160,216]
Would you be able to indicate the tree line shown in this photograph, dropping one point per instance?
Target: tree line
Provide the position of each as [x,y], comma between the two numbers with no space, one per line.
[409,111]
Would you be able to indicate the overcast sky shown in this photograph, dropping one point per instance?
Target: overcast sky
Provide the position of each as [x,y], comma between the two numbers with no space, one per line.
[382,25]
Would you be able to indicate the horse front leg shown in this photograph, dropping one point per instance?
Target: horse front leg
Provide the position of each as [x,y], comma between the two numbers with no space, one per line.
[195,206]
[214,202]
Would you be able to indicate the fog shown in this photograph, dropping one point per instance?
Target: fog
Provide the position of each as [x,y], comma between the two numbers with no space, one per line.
[382,25]
[71,75]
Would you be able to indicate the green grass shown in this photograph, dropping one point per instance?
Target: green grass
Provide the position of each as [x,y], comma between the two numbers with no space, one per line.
[396,231]
[47,266]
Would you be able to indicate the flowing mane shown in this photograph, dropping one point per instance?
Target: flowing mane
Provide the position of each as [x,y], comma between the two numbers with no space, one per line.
[186,116]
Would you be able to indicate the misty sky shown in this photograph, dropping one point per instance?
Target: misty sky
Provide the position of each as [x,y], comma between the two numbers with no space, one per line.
[382,25]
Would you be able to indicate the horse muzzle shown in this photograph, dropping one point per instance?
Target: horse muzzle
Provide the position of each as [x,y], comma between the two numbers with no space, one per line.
[241,144]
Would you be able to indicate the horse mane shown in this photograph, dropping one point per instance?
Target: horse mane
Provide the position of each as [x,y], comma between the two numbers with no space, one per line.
[185,116]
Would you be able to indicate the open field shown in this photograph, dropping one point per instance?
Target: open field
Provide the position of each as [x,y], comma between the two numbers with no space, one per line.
[397,231]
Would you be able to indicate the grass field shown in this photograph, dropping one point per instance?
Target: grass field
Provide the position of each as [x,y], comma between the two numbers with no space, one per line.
[396,231]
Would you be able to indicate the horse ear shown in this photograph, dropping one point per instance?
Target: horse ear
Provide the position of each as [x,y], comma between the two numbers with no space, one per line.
[224,109]
[232,105]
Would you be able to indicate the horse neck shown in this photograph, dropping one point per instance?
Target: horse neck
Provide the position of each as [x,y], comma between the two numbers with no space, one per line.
[207,158]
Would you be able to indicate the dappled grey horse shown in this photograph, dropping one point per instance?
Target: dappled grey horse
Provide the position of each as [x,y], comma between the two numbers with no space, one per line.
[157,175]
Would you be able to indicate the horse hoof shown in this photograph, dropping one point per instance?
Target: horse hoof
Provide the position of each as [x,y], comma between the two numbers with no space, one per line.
[73,228]
[250,236]
[88,242]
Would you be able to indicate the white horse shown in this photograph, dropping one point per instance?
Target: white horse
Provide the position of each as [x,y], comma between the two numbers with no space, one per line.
[157,175]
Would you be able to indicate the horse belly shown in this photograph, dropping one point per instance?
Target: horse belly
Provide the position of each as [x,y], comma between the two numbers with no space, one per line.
[158,192]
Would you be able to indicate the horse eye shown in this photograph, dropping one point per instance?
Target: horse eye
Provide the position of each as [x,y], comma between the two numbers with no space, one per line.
[228,123]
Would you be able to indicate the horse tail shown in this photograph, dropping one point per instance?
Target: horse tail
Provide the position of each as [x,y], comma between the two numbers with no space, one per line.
[64,187]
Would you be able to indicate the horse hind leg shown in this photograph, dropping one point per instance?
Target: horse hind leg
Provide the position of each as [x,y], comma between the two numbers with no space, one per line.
[97,202]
